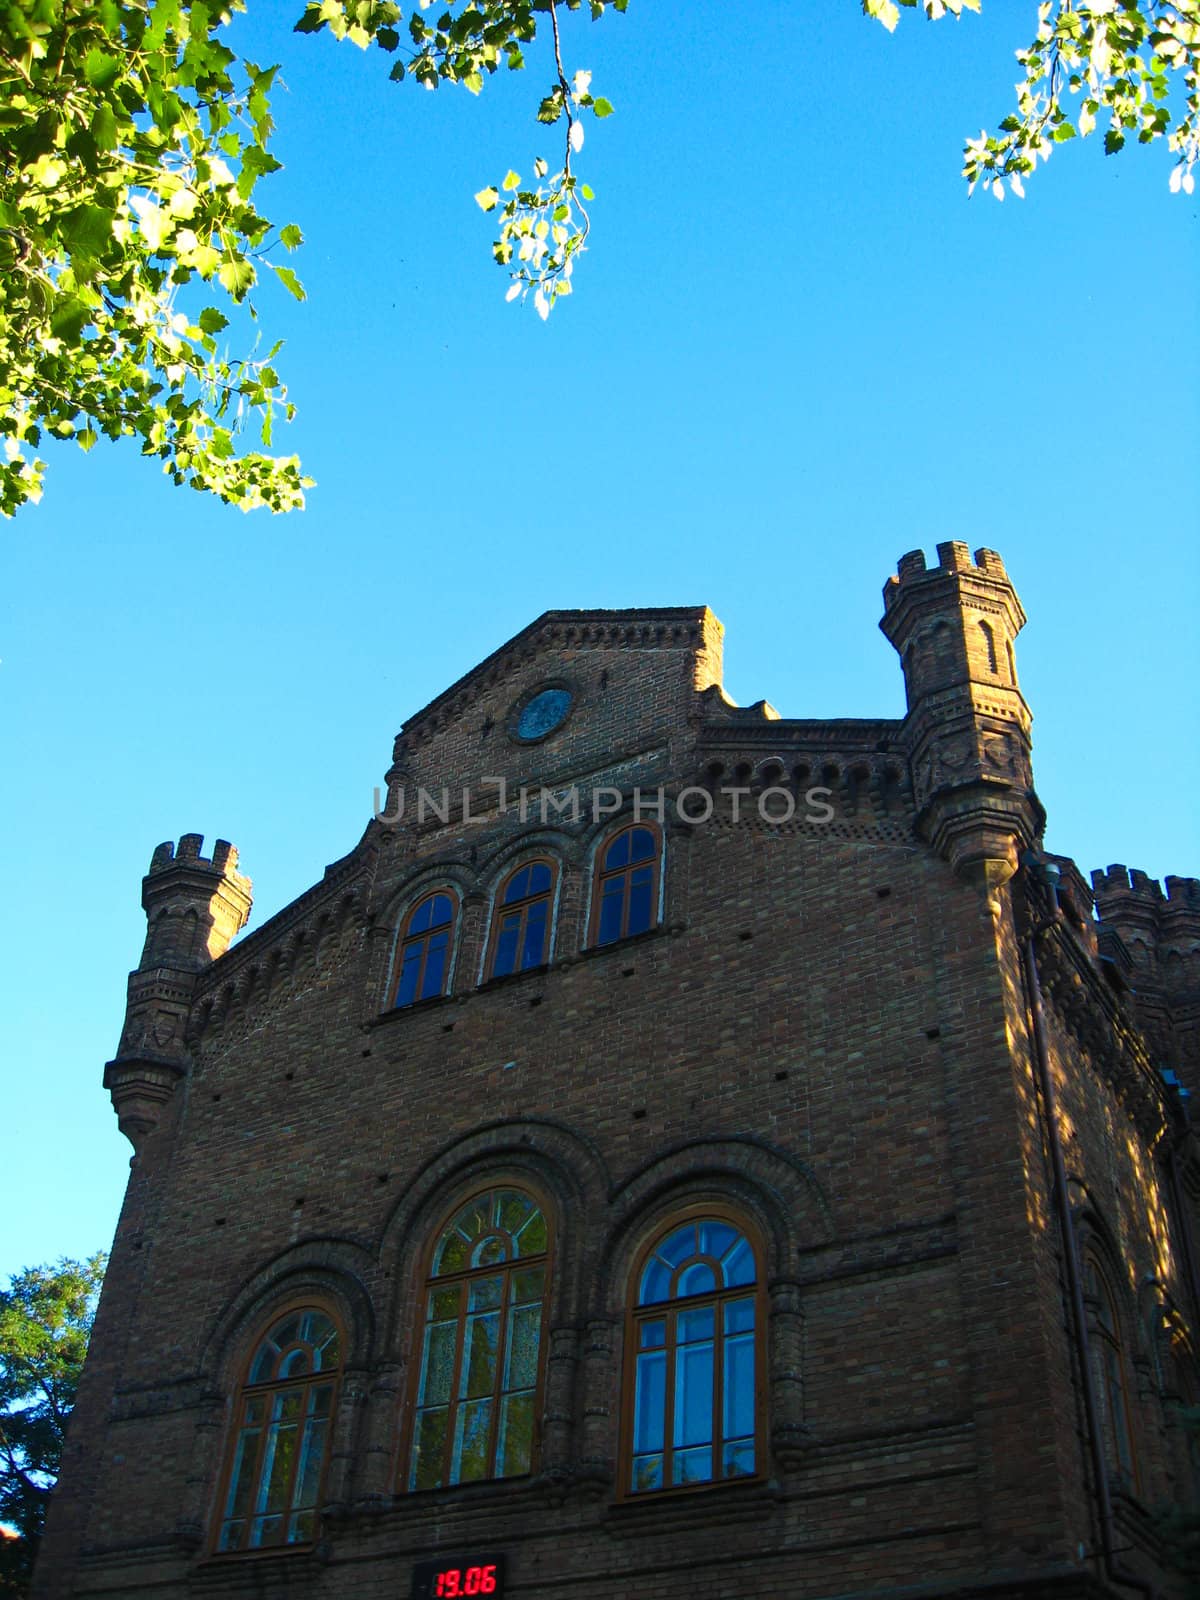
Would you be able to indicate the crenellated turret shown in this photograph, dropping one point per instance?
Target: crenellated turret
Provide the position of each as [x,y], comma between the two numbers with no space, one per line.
[1161,933]
[195,907]
[967,728]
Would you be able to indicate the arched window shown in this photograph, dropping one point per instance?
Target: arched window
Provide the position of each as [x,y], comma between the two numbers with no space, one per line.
[626,892]
[424,961]
[989,645]
[481,1368]
[281,1440]
[693,1335]
[521,926]
[1109,1372]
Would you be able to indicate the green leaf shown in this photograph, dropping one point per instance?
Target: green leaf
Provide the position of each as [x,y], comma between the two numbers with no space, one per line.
[211,320]
[290,282]
[238,276]
[512,180]
[290,237]
[68,318]
[486,199]
[100,69]
[104,127]
[602,107]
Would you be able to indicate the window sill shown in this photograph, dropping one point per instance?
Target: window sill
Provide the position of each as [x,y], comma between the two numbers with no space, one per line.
[417,1006]
[290,1561]
[490,985]
[736,1500]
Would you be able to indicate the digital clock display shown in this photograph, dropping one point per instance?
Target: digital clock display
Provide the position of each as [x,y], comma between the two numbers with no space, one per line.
[453,1577]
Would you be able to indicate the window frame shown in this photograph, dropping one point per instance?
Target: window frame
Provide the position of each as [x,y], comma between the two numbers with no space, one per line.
[405,937]
[634,1315]
[423,1283]
[600,876]
[1108,1364]
[236,1421]
[499,911]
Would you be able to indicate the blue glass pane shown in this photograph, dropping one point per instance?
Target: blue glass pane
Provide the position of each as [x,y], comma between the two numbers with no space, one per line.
[693,1395]
[641,902]
[539,878]
[406,991]
[693,1466]
[678,1246]
[432,913]
[611,905]
[716,1238]
[518,886]
[691,1326]
[656,1283]
[435,966]
[641,845]
[696,1279]
[739,1459]
[738,1419]
[739,1316]
[617,854]
[441,910]
[506,946]
[739,1264]
[534,951]
[652,1335]
[647,1473]
[650,1399]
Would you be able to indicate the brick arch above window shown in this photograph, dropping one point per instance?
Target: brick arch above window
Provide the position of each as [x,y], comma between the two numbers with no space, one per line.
[780,1192]
[563,1167]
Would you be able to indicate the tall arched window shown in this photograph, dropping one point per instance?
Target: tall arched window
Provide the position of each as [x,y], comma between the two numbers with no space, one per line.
[625,898]
[1109,1374]
[521,926]
[481,1368]
[693,1338]
[424,957]
[281,1440]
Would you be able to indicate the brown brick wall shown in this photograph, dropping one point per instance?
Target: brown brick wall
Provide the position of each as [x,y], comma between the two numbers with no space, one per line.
[828,1033]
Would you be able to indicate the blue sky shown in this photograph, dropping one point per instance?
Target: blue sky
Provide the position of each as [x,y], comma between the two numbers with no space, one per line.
[796,351]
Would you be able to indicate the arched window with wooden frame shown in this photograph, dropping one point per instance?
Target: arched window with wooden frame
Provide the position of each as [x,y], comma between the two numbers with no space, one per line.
[1109,1372]
[693,1364]
[625,893]
[280,1444]
[425,948]
[523,919]
[480,1371]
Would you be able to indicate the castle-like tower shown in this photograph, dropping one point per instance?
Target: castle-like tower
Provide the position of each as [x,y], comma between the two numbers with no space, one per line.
[679,1148]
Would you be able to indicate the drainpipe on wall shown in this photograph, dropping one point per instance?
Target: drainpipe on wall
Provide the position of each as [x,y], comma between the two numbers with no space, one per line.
[1047,874]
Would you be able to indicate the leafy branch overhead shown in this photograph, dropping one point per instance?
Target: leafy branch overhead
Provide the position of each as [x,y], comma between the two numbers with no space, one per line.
[133,139]
[542,228]
[1090,62]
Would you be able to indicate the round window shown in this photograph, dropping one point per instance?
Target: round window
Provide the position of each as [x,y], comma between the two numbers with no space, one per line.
[542,713]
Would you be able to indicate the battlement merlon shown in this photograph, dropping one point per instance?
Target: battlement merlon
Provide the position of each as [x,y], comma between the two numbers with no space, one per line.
[195,906]
[982,579]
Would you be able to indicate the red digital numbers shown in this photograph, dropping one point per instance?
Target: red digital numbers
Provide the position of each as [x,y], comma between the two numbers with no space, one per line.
[453,1582]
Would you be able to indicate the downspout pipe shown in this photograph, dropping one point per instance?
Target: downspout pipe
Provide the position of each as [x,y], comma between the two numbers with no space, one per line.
[1046,874]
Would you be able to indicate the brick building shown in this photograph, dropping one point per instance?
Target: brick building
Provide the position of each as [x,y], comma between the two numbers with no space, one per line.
[680,1150]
